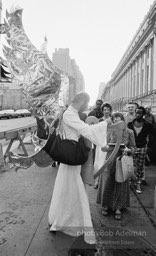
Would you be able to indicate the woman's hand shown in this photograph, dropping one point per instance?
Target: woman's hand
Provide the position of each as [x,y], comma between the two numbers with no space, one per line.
[127,151]
[108,120]
[105,148]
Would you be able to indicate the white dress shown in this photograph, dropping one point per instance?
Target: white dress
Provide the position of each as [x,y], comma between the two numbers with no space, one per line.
[69,210]
[100,156]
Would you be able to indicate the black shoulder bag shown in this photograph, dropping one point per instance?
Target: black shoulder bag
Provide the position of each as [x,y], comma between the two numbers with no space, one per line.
[67,151]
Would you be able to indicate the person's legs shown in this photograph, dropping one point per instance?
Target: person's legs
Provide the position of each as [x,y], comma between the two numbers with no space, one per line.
[105,211]
[140,168]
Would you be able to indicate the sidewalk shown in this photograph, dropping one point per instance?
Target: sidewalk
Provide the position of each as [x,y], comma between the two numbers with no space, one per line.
[25,197]
[139,220]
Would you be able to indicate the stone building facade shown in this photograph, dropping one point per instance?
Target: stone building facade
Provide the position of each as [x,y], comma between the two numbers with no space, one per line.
[135,76]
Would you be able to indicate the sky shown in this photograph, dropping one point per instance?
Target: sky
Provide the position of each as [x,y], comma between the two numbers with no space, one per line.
[97,32]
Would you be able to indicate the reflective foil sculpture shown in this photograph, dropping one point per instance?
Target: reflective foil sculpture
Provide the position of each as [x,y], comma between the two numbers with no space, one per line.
[33,71]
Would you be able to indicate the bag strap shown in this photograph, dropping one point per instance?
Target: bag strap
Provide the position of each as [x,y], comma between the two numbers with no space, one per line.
[60,129]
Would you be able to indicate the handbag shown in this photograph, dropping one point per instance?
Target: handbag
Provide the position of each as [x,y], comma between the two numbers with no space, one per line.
[124,168]
[67,151]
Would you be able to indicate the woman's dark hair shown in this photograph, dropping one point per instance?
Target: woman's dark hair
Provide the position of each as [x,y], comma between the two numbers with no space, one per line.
[118,114]
[143,110]
[107,105]
[99,101]
[136,104]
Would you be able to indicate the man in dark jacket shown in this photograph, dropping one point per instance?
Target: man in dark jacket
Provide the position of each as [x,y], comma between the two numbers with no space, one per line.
[97,112]
[143,132]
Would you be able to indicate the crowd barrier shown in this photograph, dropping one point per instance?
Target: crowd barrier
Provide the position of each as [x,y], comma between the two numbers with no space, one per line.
[17,134]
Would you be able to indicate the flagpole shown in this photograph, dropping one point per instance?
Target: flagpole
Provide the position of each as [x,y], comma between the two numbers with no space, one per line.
[0,21]
[0,10]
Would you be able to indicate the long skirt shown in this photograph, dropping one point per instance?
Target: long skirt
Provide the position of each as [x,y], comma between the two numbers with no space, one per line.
[69,210]
[111,193]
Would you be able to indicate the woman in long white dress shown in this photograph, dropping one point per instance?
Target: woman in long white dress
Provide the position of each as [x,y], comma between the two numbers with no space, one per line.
[69,210]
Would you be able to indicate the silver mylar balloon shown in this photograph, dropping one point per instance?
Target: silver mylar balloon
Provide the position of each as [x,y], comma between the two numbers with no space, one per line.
[37,77]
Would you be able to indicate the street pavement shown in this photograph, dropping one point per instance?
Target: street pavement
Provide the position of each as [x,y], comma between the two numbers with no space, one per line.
[25,197]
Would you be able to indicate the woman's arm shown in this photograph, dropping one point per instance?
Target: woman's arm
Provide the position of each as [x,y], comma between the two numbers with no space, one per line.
[132,143]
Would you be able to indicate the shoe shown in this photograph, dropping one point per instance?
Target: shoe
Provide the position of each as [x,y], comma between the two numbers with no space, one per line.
[53,164]
[96,186]
[138,188]
[144,182]
[118,216]
[105,212]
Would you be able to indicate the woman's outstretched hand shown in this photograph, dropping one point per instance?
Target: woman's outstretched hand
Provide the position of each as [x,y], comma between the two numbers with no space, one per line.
[105,148]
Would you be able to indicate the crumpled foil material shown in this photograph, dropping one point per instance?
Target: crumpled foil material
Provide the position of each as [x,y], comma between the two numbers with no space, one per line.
[35,74]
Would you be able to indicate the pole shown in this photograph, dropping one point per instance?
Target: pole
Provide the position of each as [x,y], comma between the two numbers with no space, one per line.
[0,13]
[2,163]
[0,10]
[0,25]
[155,200]
[0,22]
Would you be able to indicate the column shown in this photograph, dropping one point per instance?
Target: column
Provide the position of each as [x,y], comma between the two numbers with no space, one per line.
[145,69]
[131,81]
[141,73]
[134,85]
[148,78]
[151,63]
[154,62]
[126,84]
[146,73]
[121,81]
[136,78]
[139,77]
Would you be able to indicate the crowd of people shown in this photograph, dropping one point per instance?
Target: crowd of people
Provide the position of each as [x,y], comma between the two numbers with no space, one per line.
[69,210]
[142,122]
